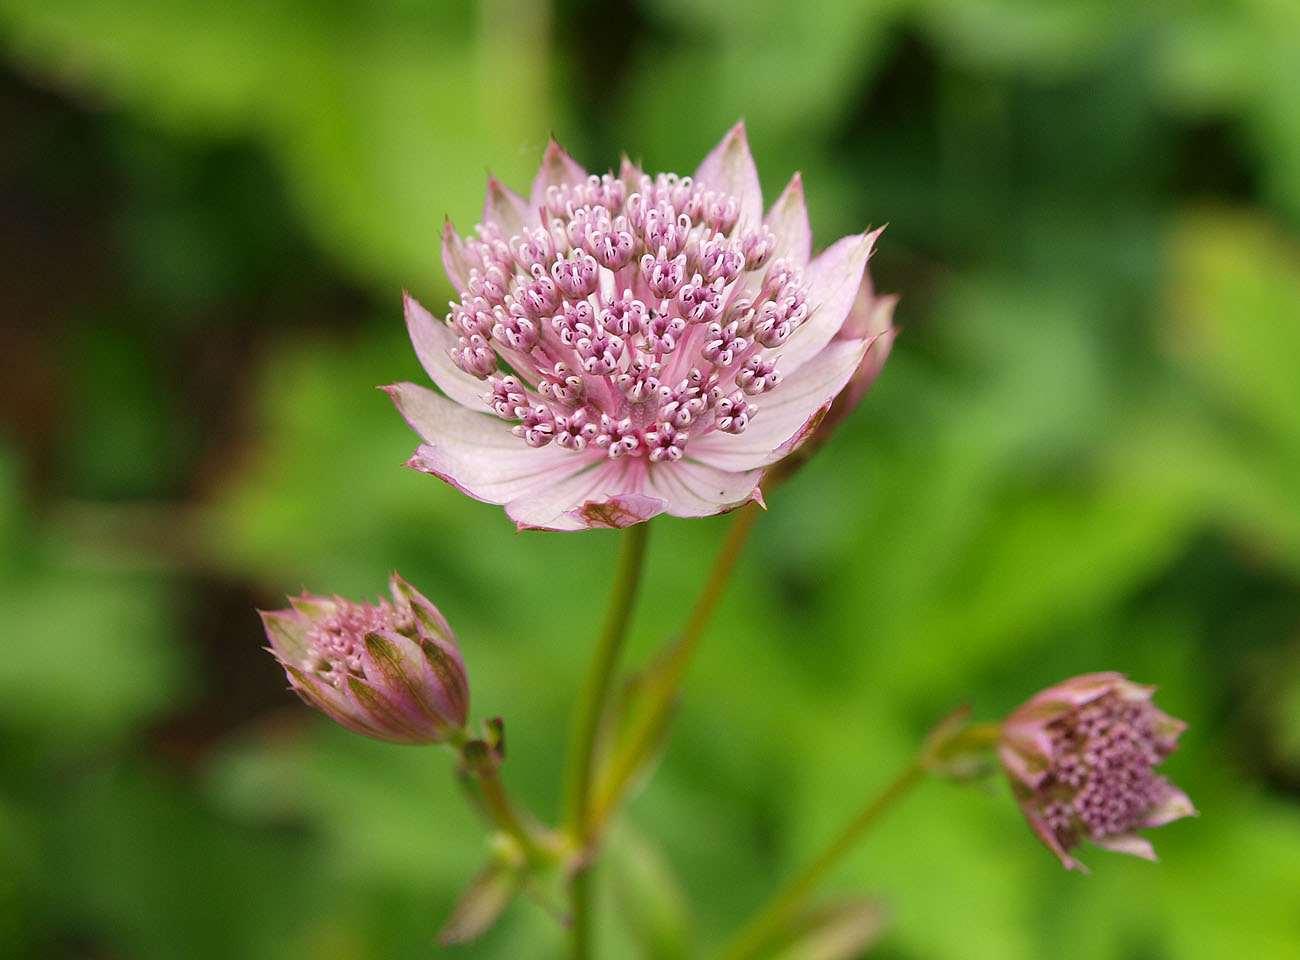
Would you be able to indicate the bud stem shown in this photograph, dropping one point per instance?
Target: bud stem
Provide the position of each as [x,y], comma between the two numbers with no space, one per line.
[586,725]
[505,816]
[496,804]
[768,921]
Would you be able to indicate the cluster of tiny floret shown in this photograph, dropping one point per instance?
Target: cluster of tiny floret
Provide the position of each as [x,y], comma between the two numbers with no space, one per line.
[1101,782]
[634,319]
[339,638]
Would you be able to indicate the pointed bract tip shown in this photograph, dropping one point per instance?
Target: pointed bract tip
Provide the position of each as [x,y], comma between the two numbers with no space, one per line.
[737,138]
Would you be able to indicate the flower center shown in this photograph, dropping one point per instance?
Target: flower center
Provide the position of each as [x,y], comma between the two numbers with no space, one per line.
[339,639]
[1102,782]
[631,321]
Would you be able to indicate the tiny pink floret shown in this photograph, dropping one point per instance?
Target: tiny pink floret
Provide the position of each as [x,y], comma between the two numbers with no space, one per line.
[1081,759]
[628,345]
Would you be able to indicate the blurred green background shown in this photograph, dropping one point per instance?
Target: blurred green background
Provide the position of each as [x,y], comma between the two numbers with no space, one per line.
[1084,454]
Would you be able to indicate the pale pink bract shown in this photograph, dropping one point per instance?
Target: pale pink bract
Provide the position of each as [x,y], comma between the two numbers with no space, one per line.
[629,345]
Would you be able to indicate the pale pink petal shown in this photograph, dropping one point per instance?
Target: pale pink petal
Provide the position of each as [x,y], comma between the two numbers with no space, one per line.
[699,490]
[557,169]
[684,489]
[729,168]
[788,221]
[313,607]
[833,280]
[1174,806]
[505,208]
[878,348]
[456,258]
[559,505]
[630,173]
[618,512]
[477,453]
[1078,691]
[1128,843]
[784,418]
[396,678]
[287,632]
[432,341]
[409,599]
[1026,755]
[1134,692]
[870,316]
[1168,729]
[335,704]
[498,482]
[1046,835]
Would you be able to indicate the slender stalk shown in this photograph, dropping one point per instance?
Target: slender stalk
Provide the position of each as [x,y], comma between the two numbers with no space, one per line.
[641,737]
[768,921]
[504,815]
[491,800]
[718,576]
[586,725]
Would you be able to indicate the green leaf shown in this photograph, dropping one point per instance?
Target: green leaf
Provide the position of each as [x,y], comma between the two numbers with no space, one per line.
[836,931]
[648,896]
[478,908]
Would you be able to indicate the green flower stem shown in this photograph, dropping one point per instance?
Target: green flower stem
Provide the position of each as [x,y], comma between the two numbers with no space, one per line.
[768,922]
[504,815]
[586,726]
[659,700]
[492,800]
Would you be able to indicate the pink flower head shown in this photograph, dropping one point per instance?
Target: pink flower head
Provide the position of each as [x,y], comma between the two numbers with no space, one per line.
[631,345]
[391,671]
[1081,756]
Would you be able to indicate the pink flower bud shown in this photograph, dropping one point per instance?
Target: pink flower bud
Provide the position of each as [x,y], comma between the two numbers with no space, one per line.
[1081,756]
[391,671]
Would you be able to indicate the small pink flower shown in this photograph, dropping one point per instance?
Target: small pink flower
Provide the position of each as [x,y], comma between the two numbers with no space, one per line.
[1081,756]
[630,345]
[391,671]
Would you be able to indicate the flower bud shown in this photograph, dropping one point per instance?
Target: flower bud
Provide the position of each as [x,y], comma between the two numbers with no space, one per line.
[1080,757]
[391,671]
